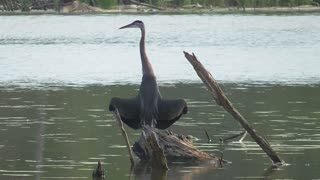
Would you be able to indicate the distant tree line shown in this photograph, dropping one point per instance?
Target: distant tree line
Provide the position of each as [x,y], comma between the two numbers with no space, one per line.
[27,5]
[214,3]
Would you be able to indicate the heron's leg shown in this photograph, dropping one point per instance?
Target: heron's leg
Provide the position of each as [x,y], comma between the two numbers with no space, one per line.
[153,122]
[142,121]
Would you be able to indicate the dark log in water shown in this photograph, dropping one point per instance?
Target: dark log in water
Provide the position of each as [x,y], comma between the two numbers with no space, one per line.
[98,173]
[174,147]
[223,101]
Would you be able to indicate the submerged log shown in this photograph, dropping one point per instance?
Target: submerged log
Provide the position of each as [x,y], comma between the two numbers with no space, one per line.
[98,173]
[223,101]
[175,148]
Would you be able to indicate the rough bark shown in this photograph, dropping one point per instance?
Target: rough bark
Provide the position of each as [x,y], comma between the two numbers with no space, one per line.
[174,147]
[223,101]
[158,159]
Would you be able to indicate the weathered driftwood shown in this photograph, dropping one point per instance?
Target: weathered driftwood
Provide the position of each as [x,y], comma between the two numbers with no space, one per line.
[162,147]
[124,134]
[176,148]
[145,4]
[223,101]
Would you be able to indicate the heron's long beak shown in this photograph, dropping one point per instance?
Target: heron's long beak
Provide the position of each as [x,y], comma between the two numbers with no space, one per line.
[127,26]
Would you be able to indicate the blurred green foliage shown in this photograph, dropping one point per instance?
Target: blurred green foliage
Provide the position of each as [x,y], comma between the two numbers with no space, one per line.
[56,5]
[105,4]
[25,5]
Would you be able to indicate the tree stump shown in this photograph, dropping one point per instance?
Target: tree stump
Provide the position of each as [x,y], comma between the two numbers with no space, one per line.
[156,146]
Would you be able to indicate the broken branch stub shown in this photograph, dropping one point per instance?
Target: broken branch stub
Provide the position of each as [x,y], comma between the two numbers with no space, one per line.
[158,159]
[223,101]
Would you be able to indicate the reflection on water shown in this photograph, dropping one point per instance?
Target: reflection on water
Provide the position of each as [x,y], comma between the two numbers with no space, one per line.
[61,132]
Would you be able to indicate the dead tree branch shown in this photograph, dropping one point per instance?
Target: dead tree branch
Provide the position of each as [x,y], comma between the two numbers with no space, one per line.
[124,134]
[223,101]
[158,158]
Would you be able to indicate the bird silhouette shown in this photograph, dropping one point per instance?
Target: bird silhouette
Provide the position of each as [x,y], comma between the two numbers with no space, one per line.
[148,107]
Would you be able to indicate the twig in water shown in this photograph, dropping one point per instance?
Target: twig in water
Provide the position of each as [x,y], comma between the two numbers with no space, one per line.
[124,134]
[208,137]
[232,137]
[243,136]
[221,159]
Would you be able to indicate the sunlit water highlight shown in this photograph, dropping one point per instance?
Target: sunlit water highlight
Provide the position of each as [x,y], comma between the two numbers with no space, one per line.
[91,50]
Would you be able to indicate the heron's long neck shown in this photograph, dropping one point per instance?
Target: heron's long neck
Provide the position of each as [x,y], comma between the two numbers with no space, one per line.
[146,66]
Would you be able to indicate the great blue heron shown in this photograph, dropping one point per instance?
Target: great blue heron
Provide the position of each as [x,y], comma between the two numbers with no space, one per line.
[148,107]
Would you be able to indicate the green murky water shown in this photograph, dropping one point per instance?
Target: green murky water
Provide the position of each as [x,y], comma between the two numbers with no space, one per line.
[61,132]
[58,73]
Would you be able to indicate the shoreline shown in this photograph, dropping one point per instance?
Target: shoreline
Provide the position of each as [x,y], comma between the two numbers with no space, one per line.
[178,11]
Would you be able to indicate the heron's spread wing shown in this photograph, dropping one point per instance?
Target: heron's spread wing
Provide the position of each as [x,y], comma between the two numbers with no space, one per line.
[128,110]
[169,111]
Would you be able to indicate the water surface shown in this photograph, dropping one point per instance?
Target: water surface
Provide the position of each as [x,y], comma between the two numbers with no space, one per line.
[58,74]
[91,50]
[61,132]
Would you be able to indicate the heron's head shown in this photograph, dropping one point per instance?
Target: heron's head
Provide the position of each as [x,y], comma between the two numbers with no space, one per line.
[135,24]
